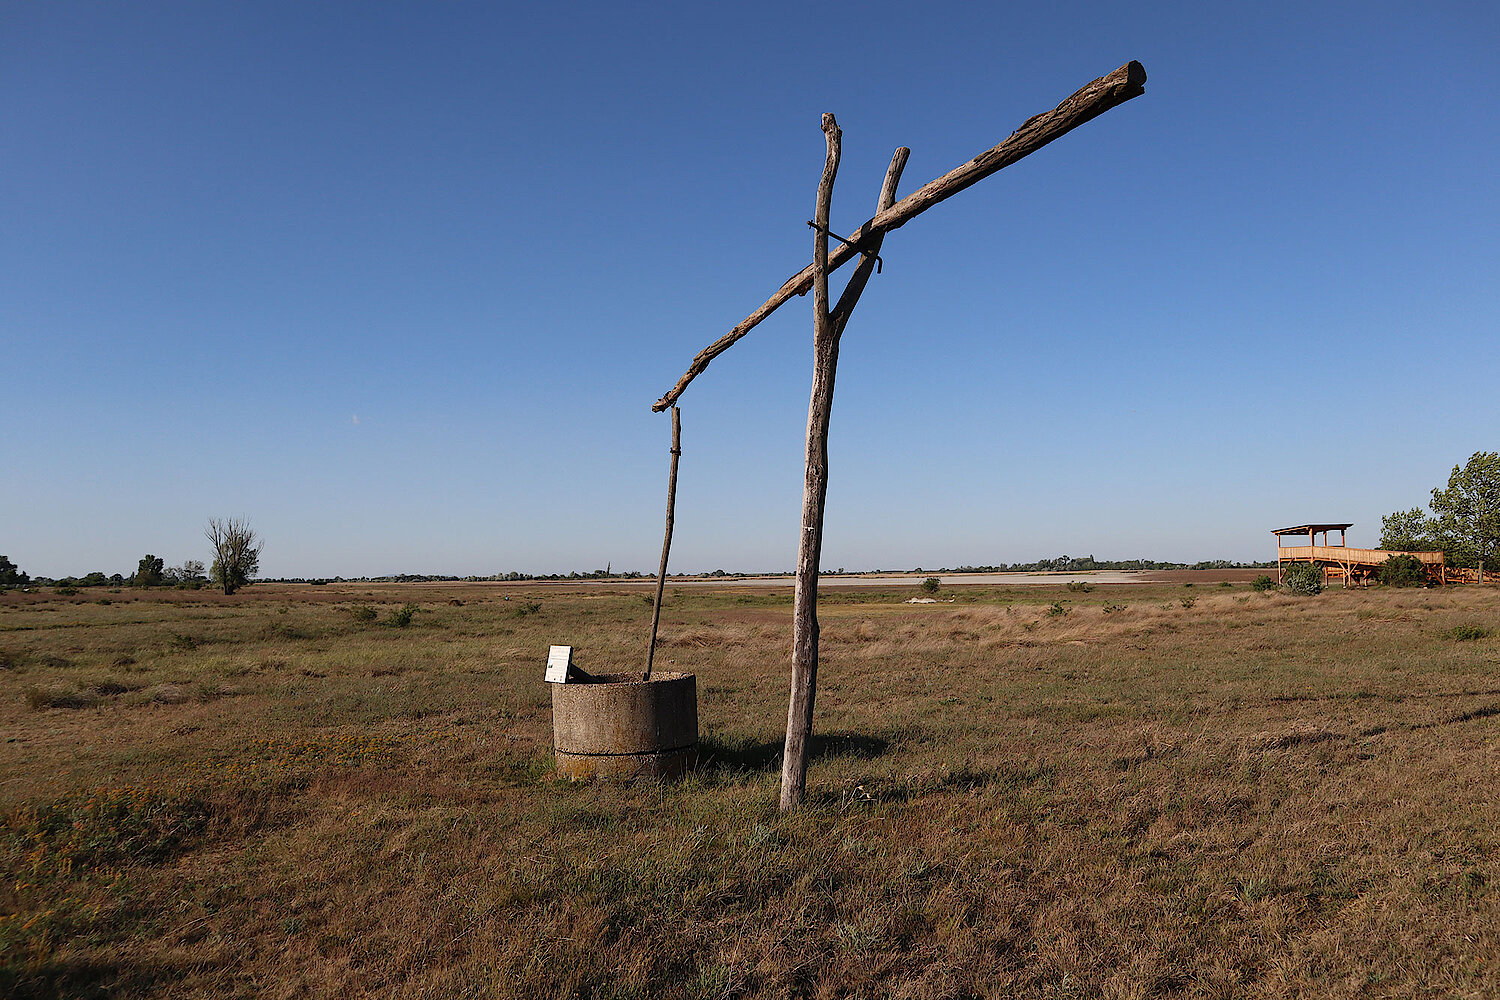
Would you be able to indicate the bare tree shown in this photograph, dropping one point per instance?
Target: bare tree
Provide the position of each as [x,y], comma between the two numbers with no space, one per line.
[236,552]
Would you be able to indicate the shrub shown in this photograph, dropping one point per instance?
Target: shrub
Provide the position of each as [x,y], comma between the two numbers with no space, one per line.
[931,585]
[1225,583]
[1188,602]
[362,613]
[1262,583]
[1079,587]
[401,617]
[1056,610]
[1303,578]
[10,576]
[150,572]
[1402,571]
[527,608]
[66,591]
[1468,633]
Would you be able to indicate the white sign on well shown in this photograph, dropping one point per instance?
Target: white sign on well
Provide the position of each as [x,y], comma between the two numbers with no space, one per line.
[559,659]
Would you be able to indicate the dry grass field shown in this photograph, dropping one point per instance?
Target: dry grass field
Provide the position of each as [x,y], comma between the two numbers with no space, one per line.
[1136,791]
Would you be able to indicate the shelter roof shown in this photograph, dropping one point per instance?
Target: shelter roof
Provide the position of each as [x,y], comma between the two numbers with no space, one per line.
[1309,529]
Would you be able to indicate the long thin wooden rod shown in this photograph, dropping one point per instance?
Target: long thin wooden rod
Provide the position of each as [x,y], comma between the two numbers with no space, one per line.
[666,542]
[1088,103]
[814,493]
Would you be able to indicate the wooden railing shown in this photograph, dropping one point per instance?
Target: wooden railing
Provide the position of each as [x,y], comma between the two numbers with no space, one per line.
[1348,554]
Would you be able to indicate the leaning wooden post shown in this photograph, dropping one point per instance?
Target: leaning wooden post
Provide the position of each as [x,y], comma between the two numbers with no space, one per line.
[814,494]
[666,542]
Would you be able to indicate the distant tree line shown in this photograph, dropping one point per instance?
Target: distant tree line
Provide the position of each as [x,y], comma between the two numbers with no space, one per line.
[151,573]
[598,574]
[236,562]
[1083,564]
[191,574]
[1061,564]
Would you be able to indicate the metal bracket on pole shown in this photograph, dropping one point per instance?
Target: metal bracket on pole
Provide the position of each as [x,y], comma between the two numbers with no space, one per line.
[846,243]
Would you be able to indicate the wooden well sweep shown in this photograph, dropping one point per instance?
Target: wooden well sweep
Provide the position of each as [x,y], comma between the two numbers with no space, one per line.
[1087,103]
[620,726]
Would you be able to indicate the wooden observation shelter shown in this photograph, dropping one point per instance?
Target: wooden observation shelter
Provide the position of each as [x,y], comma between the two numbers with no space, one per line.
[1358,566]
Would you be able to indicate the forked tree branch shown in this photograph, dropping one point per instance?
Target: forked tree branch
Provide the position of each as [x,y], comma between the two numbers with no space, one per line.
[861,277]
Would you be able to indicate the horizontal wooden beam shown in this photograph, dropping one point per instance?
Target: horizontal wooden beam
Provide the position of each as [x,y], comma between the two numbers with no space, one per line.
[1088,103]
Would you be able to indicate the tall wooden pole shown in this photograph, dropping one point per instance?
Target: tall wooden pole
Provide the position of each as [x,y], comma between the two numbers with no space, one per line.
[828,328]
[666,542]
[814,494]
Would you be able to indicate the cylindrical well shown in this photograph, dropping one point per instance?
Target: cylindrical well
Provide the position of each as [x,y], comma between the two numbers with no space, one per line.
[618,726]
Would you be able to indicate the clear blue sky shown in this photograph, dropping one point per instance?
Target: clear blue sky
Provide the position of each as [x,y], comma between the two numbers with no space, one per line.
[399,282]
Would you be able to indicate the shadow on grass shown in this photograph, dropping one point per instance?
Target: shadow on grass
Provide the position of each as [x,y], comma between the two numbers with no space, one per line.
[727,760]
[79,978]
[719,757]
[962,780]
